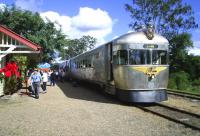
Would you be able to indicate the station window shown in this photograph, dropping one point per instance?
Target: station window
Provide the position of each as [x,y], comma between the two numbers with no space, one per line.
[120,57]
[5,39]
[9,40]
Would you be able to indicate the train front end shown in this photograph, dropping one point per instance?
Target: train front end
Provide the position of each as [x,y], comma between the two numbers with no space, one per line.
[140,67]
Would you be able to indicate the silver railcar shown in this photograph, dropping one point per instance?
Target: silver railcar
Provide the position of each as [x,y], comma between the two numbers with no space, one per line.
[135,65]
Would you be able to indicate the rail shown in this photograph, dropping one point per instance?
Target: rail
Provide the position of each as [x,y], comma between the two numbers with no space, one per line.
[183,94]
[186,118]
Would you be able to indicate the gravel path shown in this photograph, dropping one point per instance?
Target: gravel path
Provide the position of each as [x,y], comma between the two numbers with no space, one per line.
[65,110]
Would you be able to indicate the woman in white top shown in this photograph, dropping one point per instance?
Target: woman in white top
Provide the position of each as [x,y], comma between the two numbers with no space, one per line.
[45,80]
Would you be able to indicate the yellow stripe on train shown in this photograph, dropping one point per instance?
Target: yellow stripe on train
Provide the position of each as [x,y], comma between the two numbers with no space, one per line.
[150,71]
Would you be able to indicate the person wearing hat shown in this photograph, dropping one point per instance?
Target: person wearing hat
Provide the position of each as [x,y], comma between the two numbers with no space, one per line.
[36,79]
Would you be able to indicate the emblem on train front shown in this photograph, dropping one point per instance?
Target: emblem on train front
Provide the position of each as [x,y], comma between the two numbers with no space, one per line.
[151,72]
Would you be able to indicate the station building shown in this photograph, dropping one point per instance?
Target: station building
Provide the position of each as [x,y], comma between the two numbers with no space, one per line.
[12,43]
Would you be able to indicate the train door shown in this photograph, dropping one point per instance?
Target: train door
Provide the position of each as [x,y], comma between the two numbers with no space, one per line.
[109,67]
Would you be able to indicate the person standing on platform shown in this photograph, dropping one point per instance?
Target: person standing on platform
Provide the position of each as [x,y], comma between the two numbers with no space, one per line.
[57,75]
[53,78]
[36,80]
[49,76]
[44,80]
[29,83]
[62,76]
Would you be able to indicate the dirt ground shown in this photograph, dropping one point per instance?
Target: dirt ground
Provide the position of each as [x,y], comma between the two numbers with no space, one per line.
[80,111]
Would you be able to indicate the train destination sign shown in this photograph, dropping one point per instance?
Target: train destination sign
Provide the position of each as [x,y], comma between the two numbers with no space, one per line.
[151,46]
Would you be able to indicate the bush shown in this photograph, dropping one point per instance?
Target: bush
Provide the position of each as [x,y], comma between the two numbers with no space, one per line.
[172,83]
[196,82]
[10,74]
[179,80]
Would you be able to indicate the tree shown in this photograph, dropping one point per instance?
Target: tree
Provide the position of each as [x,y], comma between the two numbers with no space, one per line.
[192,66]
[179,53]
[31,26]
[77,46]
[22,22]
[87,42]
[169,17]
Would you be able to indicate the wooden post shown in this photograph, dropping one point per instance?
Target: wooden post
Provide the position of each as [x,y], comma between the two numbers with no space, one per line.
[1,82]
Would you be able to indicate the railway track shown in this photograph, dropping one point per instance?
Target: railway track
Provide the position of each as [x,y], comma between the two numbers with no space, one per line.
[184,94]
[186,118]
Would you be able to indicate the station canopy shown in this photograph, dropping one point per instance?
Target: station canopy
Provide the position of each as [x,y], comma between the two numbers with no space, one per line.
[11,42]
[44,65]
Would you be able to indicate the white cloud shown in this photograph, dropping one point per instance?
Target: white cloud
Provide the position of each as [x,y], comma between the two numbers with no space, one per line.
[2,6]
[63,21]
[94,22]
[90,19]
[33,5]
[196,49]
[197,44]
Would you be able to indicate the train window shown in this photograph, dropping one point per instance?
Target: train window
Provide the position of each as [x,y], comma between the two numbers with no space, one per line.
[75,65]
[83,64]
[159,57]
[115,60]
[89,61]
[120,57]
[139,57]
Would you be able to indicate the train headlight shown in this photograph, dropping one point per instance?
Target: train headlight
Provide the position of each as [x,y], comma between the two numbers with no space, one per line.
[150,32]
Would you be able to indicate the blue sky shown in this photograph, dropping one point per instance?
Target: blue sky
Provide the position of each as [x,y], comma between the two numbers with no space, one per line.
[103,19]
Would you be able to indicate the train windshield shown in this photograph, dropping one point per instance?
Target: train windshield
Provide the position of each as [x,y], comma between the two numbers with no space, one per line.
[138,57]
[145,57]
[159,57]
[120,57]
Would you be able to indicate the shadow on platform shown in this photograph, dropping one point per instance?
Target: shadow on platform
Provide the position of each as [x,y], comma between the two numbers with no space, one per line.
[88,92]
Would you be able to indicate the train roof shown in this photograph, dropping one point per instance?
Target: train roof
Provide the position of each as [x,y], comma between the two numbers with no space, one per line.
[131,38]
[140,37]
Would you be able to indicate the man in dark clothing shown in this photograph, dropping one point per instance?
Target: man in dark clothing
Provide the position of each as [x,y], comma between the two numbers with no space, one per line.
[53,78]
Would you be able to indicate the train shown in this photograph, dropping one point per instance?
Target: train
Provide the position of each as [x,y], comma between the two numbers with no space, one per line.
[134,67]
